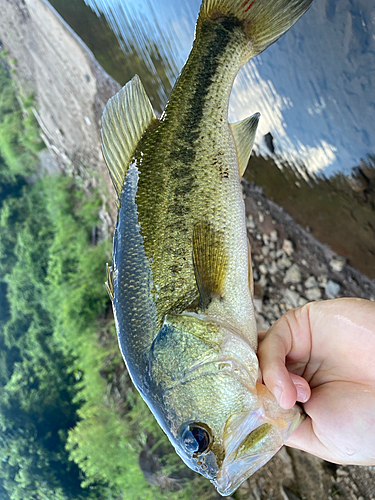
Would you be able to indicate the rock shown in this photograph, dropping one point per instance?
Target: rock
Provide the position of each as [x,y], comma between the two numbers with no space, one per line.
[337,263]
[284,262]
[322,280]
[265,251]
[262,323]
[311,282]
[313,293]
[332,289]
[288,247]
[258,291]
[272,268]
[262,268]
[292,297]
[302,301]
[263,281]
[293,274]
[258,304]
[250,224]
[273,236]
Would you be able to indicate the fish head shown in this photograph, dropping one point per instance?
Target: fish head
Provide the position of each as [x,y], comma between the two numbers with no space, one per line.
[222,422]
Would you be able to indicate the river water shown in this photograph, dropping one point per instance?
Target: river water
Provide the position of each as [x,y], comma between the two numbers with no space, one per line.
[314,89]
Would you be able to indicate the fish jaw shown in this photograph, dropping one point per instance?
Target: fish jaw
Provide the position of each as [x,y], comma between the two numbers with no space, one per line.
[250,441]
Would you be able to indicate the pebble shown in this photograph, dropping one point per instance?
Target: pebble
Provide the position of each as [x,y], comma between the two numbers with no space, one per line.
[337,263]
[250,224]
[262,269]
[292,297]
[262,323]
[293,274]
[265,251]
[284,262]
[288,247]
[274,236]
[272,268]
[332,289]
[322,280]
[263,281]
[342,472]
[311,282]
[256,275]
[258,304]
[302,301]
[313,293]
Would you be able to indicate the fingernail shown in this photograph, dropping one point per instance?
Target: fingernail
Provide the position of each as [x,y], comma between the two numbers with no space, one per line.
[302,393]
[278,392]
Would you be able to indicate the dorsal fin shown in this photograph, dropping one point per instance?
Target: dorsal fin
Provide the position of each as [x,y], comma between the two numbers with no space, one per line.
[125,118]
[244,136]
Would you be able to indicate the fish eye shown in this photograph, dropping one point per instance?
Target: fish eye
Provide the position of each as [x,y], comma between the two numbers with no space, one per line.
[196,438]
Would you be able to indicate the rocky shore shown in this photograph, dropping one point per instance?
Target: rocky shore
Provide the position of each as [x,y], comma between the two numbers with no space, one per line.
[290,266]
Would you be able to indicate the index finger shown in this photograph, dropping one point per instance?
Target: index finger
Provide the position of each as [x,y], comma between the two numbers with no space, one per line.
[287,342]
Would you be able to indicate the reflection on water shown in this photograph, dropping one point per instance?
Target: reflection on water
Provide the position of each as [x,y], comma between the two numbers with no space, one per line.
[314,87]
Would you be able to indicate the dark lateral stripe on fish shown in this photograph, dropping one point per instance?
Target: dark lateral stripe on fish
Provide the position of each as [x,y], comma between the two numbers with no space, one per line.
[191,126]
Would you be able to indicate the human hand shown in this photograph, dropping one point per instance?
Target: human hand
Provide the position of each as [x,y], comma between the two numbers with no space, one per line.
[328,346]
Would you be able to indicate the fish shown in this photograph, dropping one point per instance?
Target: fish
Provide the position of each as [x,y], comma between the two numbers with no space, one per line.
[181,275]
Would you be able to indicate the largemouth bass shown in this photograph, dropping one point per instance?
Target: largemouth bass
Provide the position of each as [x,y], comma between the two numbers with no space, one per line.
[181,278]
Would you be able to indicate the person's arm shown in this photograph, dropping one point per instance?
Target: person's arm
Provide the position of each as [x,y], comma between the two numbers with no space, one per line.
[327,346]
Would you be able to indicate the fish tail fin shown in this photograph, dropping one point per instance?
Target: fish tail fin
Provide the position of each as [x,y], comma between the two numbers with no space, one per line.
[263,21]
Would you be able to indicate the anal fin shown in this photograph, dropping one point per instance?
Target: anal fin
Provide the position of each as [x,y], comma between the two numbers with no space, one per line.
[210,260]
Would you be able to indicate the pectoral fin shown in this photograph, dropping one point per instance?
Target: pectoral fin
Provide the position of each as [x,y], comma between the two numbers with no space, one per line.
[210,260]
[244,136]
[109,282]
[125,118]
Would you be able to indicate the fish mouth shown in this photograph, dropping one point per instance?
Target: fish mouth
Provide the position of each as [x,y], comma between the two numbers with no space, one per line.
[231,477]
[250,442]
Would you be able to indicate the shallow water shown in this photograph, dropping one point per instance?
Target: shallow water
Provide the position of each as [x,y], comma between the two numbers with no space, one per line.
[314,89]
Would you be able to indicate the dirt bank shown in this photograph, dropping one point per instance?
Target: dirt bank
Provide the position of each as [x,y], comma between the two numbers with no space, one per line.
[71,89]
